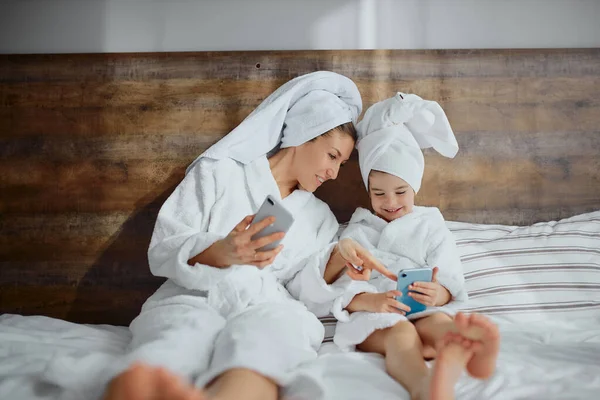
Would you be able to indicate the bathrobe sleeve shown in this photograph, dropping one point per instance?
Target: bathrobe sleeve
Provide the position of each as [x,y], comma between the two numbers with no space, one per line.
[181,230]
[307,284]
[443,253]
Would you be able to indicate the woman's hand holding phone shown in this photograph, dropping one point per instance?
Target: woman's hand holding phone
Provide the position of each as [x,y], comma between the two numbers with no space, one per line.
[239,248]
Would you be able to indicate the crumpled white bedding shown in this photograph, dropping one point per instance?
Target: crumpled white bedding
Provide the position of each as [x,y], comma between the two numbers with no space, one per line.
[546,360]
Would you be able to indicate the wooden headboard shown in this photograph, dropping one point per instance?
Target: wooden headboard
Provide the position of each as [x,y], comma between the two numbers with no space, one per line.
[91,145]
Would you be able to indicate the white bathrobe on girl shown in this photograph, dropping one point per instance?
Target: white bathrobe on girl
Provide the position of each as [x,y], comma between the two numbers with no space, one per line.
[391,136]
[203,320]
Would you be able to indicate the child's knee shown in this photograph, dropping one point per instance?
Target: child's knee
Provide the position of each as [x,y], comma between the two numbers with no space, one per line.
[440,317]
[436,319]
[404,332]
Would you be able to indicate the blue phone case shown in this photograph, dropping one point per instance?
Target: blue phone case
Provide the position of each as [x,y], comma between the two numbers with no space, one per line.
[407,277]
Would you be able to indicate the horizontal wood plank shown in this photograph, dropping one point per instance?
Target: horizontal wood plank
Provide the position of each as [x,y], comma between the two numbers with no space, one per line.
[91,145]
[372,64]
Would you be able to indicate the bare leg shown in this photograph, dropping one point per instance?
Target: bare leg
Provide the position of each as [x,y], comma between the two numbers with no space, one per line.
[433,328]
[142,382]
[479,328]
[454,351]
[242,383]
[402,349]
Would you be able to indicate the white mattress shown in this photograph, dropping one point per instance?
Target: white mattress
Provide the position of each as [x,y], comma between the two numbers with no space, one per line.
[549,360]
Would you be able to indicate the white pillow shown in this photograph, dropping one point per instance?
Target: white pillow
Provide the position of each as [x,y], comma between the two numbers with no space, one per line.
[549,270]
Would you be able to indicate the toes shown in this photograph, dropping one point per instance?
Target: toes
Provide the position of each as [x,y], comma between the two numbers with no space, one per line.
[491,330]
[461,321]
[448,338]
[466,343]
[479,320]
[476,346]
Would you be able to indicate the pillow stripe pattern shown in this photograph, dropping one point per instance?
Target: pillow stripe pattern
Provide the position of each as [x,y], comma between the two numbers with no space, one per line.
[544,271]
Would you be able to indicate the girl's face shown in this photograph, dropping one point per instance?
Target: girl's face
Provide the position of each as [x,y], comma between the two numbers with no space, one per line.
[320,160]
[391,197]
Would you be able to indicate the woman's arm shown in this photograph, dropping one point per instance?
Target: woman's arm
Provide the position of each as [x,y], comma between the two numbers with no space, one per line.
[211,256]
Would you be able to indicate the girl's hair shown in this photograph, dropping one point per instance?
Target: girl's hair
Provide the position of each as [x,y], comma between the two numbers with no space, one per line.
[346,129]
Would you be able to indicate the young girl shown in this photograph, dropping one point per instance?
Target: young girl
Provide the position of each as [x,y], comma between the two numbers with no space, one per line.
[404,236]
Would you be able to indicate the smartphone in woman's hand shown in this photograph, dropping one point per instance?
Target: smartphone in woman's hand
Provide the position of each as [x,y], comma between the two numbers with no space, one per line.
[283,221]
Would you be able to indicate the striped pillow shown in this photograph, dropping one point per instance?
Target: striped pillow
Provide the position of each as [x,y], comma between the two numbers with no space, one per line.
[544,271]
[329,322]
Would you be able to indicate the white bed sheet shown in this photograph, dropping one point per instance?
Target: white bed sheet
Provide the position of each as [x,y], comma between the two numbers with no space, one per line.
[550,360]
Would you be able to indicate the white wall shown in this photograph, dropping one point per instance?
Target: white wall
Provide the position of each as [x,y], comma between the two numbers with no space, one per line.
[57,26]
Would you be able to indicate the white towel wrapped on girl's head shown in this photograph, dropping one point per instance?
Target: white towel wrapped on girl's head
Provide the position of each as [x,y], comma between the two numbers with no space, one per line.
[393,132]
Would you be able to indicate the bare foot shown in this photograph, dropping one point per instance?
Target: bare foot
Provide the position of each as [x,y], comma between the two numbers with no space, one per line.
[453,354]
[480,329]
[142,382]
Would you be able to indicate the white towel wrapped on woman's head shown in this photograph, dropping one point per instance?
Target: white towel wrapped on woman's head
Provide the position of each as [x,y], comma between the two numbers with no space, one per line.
[298,111]
[393,132]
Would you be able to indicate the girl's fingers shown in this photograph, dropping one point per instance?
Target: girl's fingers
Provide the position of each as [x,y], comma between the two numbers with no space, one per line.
[399,305]
[426,290]
[353,274]
[358,275]
[423,285]
[393,293]
[373,264]
[355,259]
[425,300]
[394,310]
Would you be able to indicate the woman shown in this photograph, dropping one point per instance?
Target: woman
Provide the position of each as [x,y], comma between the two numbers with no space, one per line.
[224,315]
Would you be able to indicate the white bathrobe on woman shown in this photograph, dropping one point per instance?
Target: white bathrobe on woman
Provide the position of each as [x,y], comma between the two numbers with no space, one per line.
[204,320]
[241,316]
[391,136]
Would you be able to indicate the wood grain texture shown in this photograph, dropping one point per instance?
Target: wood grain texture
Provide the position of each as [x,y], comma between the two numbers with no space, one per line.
[91,145]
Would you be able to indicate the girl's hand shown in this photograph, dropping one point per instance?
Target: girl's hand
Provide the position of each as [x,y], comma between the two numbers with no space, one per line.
[354,253]
[378,303]
[430,293]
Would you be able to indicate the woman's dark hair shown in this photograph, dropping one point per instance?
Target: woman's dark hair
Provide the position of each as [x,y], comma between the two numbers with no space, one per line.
[346,129]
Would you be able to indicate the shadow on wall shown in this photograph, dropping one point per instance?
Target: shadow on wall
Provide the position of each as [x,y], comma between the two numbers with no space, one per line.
[114,288]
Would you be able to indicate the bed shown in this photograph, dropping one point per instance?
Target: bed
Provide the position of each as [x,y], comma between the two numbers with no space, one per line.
[92,144]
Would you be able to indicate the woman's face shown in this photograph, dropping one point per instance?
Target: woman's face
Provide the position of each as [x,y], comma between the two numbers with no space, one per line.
[320,160]
[391,197]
